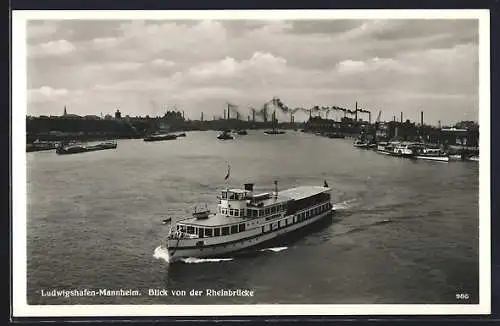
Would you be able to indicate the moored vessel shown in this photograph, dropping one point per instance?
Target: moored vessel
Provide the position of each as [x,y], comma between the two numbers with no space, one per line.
[225,135]
[75,148]
[244,219]
[424,152]
[396,148]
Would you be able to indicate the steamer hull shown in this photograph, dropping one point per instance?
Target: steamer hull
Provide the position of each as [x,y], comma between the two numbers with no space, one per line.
[185,249]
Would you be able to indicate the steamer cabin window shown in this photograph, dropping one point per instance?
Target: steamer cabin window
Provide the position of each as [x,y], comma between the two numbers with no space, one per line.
[216,232]
[241,228]
[208,232]
[234,229]
[225,230]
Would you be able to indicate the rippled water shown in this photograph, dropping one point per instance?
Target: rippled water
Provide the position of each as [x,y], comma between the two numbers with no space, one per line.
[405,231]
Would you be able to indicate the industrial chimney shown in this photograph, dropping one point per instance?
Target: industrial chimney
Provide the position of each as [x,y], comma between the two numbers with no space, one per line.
[421,118]
[356,112]
[401,117]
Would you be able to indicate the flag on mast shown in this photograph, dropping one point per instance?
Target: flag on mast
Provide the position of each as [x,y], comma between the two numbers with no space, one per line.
[228,172]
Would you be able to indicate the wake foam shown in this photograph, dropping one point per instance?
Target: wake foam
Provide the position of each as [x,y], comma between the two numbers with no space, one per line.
[194,260]
[161,253]
[275,249]
[346,204]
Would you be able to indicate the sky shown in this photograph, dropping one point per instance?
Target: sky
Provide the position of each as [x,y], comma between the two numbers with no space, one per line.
[146,67]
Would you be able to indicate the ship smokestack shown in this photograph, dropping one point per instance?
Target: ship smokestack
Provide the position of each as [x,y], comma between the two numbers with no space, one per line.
[249,187]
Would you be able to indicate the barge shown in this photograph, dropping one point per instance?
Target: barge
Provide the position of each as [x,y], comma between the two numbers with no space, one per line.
[76,148]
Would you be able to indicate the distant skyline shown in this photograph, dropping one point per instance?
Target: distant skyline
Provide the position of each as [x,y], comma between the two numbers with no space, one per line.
[146,67]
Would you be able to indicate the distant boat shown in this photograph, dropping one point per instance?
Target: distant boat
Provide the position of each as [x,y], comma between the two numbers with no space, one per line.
[274,132]
[159,137]
[456,157]
[76,148]
[182,134]
[242,132]
[399,149]
[359,143]
[474,158]
[166,220]
[425,152]
[38,145]
[225,135]
[335,135]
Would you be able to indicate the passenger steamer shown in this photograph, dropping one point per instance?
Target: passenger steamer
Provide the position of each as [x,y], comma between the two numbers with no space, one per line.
[244,219]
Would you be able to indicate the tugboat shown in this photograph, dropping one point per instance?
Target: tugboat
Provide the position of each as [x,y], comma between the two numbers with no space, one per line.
[244,219]
[225,135]
[275,130]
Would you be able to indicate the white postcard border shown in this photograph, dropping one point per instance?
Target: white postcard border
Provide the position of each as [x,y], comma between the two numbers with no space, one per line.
[19,104]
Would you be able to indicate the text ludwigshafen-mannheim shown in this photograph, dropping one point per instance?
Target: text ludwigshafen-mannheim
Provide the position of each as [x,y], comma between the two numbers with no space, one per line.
[91,293]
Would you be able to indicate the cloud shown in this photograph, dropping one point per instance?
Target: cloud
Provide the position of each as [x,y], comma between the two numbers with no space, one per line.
[385,64]
[52,48]
[40,29]
[46,93]
[162,63]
